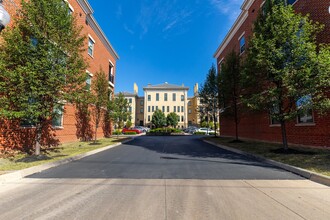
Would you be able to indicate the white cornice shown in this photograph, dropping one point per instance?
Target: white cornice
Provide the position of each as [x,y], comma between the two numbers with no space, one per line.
[85,6]
[233,30]
[247,4]
[95,26]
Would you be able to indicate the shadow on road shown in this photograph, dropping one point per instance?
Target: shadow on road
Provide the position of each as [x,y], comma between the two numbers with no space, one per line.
[167,158]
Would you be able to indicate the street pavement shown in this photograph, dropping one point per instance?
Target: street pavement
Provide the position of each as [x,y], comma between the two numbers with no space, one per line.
[177,177]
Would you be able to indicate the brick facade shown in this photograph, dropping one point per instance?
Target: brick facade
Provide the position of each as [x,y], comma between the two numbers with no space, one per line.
[256,126]
[103,57]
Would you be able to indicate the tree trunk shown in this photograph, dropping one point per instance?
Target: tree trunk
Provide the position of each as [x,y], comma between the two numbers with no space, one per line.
[215,123]
[236,119]
[284,138]
[38,139]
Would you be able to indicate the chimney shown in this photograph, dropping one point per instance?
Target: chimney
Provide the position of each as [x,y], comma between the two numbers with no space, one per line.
[196,89]
[136,89]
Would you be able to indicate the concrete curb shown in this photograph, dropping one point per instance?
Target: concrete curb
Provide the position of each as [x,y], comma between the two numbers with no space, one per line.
[319,178]
[17,175]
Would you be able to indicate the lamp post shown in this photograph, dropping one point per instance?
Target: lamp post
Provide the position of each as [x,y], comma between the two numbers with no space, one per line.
[4,17]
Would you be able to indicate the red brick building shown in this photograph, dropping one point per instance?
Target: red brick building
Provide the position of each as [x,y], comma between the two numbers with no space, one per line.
[309,130]
[99,53]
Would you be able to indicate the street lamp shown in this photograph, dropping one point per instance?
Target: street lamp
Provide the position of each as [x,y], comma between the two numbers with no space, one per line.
[4,17]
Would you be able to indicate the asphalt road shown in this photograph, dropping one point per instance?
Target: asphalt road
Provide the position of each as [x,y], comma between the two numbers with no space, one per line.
[165,178]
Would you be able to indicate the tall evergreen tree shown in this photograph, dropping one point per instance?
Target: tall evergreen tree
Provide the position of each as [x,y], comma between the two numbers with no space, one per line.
[289,71]
[209,96]
[41,64]
[231,88]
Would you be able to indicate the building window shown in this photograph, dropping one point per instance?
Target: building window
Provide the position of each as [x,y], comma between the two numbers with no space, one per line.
[88,81]
[111,75]
[275,110]
[182,109]
[149,97]
[291,2]
[141,110]
[178,108]
[148,108]
[242,44]
[305,115]
[163,109]
[57,120]
[157,96]
[168,108]
[141,103]
[221,65]
[189,111]
[156,108]
[165,97]
[173,97]
[91,44]
[130,109]
[148,118]
[182,98]
[174,109]
[189,103]
[130,100]
[153,108]
[182,119]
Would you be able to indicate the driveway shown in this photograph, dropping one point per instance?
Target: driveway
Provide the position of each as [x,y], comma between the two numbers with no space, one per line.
[165,178]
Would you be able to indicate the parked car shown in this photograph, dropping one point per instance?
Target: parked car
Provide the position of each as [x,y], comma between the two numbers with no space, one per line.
[143,129]
[205,130]
[125,130]
[191,129]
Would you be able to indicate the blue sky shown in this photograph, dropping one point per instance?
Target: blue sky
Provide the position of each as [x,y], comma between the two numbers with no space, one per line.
[164,40]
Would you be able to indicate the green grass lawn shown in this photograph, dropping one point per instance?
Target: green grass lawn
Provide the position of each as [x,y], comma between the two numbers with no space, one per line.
[313,159]
[66,150]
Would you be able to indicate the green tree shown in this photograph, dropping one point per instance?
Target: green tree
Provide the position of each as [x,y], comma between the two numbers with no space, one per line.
[288,71]
[41,64]
[172,119]
[231,88]
[100,99]
[158,119]
[117,110]
[209,96]
[128,124]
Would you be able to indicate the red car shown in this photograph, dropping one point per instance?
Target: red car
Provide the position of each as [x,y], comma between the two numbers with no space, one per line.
[131,130]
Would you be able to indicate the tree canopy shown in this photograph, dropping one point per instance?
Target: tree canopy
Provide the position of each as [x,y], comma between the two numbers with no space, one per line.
[172,119]
[100,98]
[158,119]
[41,63]
[117,110]
[289,71]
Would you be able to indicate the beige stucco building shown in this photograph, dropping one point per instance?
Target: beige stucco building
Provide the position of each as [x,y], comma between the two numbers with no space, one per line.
[167,98]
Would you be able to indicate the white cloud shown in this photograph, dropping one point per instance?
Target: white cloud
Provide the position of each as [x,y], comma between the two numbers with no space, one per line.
[229,8]
[163,15]
[128,29]
[119,11]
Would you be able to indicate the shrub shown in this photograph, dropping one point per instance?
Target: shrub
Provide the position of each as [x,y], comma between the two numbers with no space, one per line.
[130,133]
[200,133]
[117,132]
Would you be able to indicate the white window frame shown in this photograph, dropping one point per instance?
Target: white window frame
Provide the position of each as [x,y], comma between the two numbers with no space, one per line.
[62,120]
[91,77]
[90,38]
[239,41]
